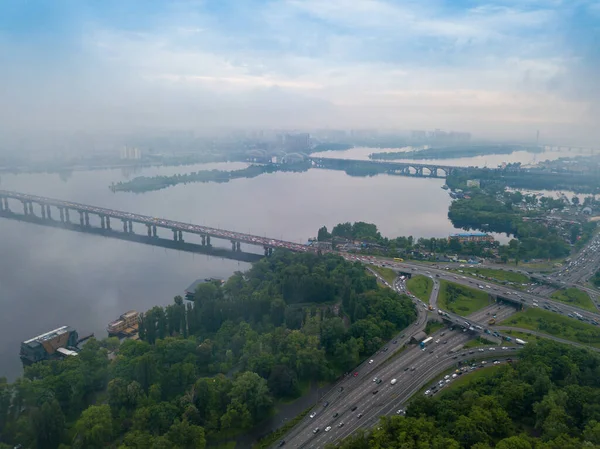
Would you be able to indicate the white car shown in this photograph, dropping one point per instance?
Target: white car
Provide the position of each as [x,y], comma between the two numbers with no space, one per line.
[480,349]
[504,348]
[313,414]
[327,429]
[492,349]
[428,392]
[370,361]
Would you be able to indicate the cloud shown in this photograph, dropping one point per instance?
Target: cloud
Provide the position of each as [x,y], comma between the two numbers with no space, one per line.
[486,67]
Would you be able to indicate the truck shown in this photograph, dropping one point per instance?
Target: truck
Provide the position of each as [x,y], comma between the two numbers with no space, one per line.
[398,259]
[425,342]
[492,321]
[430,307]
[519,341]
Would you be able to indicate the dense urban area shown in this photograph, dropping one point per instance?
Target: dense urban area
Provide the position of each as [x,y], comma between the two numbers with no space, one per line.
[354,340]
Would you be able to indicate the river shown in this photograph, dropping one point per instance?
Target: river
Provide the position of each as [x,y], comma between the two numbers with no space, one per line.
[52,277]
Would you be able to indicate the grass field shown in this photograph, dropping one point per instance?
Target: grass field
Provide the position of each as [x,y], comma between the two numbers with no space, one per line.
[500,275]
[433,326]
[525,336]
[575,297]
[479,341]
[269,440]
[465,379]
[386,273]
[556,325]
[420,286]
[460,299]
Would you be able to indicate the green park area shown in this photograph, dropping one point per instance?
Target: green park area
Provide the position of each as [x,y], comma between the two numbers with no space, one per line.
[466,379]
[498,275]
[574,297]
[386,273]
[557,325]
[420,286]
[460,299]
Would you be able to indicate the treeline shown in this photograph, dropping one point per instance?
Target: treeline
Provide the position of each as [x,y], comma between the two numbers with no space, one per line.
[150,183]
[405,246]
[547,400]
[210,369]
[489,211]
[452,152]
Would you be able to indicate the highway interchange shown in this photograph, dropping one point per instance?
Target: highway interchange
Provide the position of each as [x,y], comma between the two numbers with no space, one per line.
[338,411]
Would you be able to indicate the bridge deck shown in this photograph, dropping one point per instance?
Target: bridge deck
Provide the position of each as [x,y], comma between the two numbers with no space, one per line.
[160,222]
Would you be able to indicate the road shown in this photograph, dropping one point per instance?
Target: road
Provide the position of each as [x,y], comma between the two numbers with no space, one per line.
[359,392]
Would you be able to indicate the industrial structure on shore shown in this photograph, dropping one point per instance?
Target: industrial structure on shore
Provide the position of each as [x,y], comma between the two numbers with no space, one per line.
[58,343]
[126,326]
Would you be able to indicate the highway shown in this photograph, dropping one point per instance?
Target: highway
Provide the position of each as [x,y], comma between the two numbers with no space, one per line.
[501,291]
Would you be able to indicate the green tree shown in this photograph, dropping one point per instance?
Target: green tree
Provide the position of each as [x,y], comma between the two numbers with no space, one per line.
[93,428]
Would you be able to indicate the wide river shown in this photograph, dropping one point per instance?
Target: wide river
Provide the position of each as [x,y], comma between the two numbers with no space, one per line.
[52,277]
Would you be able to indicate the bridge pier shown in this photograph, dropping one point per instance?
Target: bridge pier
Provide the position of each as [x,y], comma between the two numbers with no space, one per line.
[130,225]
[174,234]
[87,219]
[203,240]
[6,204]
[1,203]
[124,226]
[153,230]
[180,236]
[149,230]
[67,218]
[238,245]
[233,242]
[107,222]
[61,212]
[31,208]
[43,210]
[48,212]
[268,251]
[81,223]
[102,224]
[208,240]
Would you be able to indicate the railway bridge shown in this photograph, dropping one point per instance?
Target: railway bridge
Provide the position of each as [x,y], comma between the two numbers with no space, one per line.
[399,168]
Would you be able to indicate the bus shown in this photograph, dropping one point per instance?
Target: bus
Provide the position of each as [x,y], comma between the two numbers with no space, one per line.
[397,259]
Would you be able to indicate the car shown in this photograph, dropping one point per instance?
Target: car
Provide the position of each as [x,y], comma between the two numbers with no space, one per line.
[385,349]
[504,348]
[395,341]
[445,342]
[412,368]
[316,430]
[400,412]
[447,376]
[341,424]
[371,362]
[492,349]
[437,341]
[376,391]
[481,350]
[325,404]
[359,415]
[327,429]
[427,393]
[406,369]
[355,374]
[353,408]
[313,414]
[336,415]
[431,352]
[281,443]
[375,379]
[378,381]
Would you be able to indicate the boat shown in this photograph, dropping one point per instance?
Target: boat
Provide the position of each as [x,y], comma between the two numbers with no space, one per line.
[445,187]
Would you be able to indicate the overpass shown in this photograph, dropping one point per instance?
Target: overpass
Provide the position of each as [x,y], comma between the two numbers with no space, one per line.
[65,209]
[397,168]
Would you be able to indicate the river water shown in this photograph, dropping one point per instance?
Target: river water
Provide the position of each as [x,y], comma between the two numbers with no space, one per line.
[52,277]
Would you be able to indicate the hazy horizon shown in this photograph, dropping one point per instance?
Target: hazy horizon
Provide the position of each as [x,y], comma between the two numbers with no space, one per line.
[502,69]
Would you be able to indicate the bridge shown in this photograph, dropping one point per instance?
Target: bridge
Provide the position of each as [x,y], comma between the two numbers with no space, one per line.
[397,168]
[46,207]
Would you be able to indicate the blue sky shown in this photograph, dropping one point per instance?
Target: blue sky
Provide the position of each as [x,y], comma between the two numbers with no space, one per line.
[457,64]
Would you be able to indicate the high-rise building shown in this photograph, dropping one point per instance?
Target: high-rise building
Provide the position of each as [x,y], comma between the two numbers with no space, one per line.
[296,142]
[131,153]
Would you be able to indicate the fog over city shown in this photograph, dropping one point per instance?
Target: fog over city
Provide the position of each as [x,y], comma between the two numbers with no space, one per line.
[499,69]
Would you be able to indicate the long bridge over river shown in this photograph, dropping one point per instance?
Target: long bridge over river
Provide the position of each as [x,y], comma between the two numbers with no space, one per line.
[396,168]
[11,202]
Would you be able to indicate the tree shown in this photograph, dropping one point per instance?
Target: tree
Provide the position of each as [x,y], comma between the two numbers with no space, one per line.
[575,200]
[48,423]
[252,391]
[93,428]
[323,235]
[186,436]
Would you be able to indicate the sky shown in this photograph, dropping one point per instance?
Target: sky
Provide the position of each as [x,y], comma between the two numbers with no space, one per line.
[496,68]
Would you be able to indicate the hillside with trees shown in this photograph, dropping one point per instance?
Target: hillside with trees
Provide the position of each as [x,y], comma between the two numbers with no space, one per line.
[549,399]
[210,369]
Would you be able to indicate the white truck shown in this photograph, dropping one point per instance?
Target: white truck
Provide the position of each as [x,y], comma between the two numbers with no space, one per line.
[519,341]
